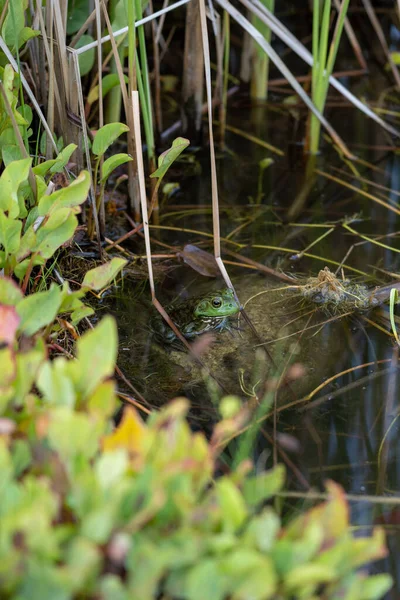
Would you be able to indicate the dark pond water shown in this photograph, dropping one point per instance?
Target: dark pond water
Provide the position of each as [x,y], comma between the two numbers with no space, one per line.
[349,431]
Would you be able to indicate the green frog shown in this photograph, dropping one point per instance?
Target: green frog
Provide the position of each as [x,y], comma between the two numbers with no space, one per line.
[195,316]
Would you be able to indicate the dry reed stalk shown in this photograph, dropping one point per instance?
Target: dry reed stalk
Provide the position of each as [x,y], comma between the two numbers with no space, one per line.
[123,30]
[214,182]
[76,78]
[143,204]
[82,29]
[53,94]
[101,208]
[4,12]
[193,74]
[30,94]
[358,191]
[133,182]
[136,132]
[382,39]
[353,40]
[60,37]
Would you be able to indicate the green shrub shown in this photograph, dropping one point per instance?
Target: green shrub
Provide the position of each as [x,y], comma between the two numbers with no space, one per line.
[88,512]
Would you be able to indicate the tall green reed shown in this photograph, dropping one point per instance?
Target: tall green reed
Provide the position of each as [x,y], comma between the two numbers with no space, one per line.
[324,61]
[260,67]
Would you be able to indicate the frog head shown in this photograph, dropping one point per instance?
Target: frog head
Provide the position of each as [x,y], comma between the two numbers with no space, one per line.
[218,304]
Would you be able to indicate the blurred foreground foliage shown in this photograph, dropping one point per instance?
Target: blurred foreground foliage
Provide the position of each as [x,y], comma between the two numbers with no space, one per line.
[88,510]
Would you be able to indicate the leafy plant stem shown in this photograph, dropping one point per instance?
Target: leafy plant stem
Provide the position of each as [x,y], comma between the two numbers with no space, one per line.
[28,272]
[145,112]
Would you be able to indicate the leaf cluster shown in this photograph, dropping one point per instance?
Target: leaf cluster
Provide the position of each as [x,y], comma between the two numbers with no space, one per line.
[89,510]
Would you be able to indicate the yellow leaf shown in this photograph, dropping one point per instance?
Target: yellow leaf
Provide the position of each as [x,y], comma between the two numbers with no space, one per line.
[129,434]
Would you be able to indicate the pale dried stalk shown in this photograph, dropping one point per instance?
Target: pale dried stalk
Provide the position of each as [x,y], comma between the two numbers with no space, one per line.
[102,212]
[28,90]
[155,15]
[214,182]
[145,218]
[77,76]
[142,186]
[133,185]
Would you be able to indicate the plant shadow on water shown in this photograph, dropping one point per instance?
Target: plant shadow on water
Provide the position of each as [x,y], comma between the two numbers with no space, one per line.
[347,429]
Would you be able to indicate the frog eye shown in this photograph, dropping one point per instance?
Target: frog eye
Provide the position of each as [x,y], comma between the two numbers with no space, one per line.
[216,302]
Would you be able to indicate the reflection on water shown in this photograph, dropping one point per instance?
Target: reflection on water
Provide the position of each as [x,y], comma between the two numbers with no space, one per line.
[348,431]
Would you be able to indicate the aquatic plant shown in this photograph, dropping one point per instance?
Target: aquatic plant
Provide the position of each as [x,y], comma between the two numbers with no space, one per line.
[336,295]
[324,61]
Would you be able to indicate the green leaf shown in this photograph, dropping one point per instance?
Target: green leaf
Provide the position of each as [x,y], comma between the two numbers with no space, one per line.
[26,112]
[250,574]
[112,588]
[166,159]
[80,313]
[26,34]
[7,367]
[97,353]
[21,456]
[12,177]
[13,23]
[232,505]
[71,433]
[62,159]
[10,293]
[100,277]
[376,586]
[205,580]
[110,467]
[263,530]
[8,82]
[71,300]
[112,163]
[73,195]
[28,365]
[10,233]
[261,487]
[55,232]
[78,11]
[38,310]
[20,269]
[107,136]
[55,384]
[11,152]
[84,560]
[86,59]
[102,401]
[308,575]
[109,82]
[44,167]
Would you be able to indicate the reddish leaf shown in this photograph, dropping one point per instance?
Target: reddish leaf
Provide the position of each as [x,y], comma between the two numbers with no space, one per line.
[9,321]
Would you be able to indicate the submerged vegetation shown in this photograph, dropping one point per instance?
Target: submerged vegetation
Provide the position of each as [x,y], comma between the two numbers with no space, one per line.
[104,493]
